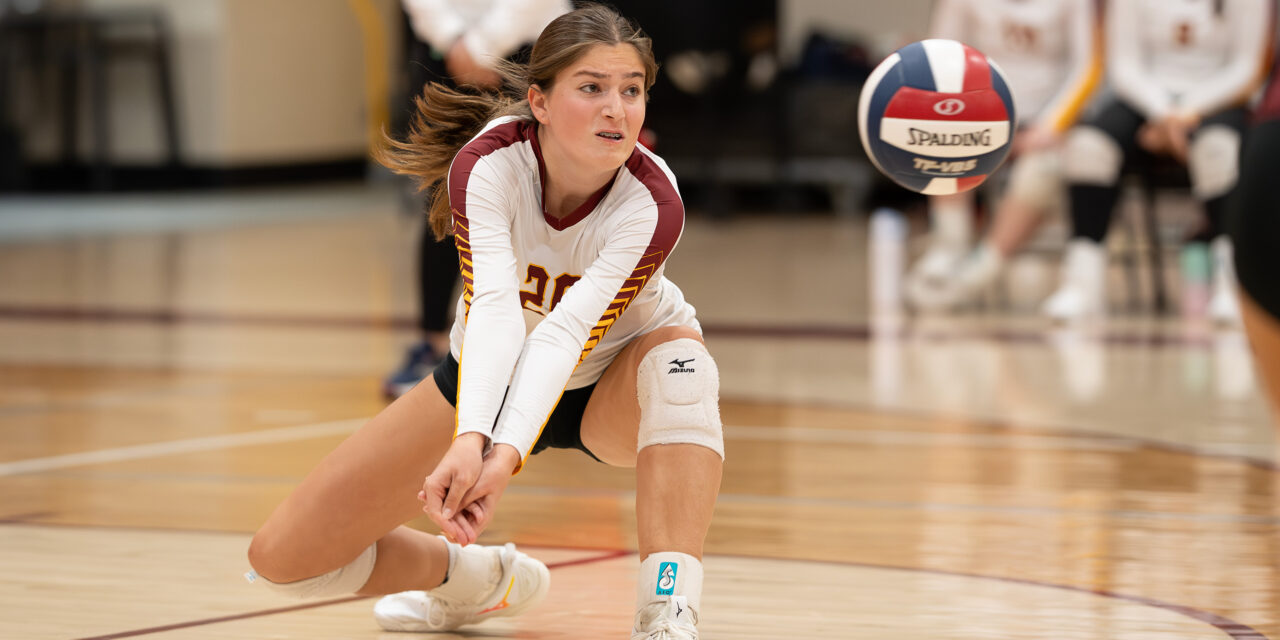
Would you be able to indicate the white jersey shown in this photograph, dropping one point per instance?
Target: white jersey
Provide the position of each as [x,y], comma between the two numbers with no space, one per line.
[1047,49]
[490,29]
[548,303]
[1199,56]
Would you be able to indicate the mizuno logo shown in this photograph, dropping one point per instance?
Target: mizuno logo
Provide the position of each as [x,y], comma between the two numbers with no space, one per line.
[681,366]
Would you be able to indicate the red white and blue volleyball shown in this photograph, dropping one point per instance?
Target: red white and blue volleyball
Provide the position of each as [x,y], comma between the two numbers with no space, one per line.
[936,117]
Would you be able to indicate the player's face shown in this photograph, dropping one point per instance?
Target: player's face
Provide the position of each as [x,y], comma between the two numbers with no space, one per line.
[596,106]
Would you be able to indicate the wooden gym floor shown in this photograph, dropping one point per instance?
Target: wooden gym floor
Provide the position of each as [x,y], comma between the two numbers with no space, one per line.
[171,365]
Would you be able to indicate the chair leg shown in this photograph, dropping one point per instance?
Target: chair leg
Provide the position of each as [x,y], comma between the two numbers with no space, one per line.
[1155,253]
[1129,260]
[95,53]
[70,42]
[164,82]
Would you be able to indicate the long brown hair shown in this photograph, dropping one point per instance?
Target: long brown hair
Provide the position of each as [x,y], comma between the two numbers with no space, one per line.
[447,119]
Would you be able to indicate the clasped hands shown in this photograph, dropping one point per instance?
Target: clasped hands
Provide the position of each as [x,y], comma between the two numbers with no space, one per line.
[1169,134]
[462,493]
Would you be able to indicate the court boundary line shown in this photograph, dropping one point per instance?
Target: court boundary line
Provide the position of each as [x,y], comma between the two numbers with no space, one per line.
[1235,630]
[1023,428]
[745,431]
[863,331]
[186,445]
[1232,628]
[616,553]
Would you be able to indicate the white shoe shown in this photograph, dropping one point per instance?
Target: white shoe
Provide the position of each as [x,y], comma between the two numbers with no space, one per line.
[522,584]
[1224,308]
[667,619]
[1082,293]
[930,277]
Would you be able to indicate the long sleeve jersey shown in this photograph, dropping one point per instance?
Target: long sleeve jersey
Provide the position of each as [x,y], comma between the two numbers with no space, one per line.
[1198,56]
[1049,50]
[489,29]
[547,303]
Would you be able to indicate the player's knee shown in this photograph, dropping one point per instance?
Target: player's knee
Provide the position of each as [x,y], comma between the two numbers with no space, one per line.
[277,565]
[1036,179]
[678,386]
[1213,161]
[269,558]
[1091,157]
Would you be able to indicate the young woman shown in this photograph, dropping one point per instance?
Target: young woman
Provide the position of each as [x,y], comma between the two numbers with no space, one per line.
[567,335]
[1182,73]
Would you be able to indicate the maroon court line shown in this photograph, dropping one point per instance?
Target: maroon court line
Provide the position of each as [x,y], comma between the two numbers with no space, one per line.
[1233,629]
[856,332]
[26,518]
[312,605]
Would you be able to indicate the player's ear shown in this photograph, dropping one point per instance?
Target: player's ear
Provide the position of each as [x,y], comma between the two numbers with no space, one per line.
[538,103]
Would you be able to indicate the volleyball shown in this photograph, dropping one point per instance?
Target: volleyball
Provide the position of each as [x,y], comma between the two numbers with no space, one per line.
[936,117]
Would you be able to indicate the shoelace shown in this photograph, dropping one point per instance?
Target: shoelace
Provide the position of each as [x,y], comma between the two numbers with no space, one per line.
[668,630]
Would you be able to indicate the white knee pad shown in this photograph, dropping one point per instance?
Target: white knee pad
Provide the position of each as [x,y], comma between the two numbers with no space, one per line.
[678,386]
[339,582]
[1036,178]
[1214,161]
[1091,157]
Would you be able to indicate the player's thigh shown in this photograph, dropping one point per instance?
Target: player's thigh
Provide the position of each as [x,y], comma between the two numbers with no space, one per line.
[361,490]
[611,420]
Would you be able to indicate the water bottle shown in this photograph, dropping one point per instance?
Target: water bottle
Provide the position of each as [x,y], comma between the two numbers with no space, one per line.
[886,261]
[1196,267]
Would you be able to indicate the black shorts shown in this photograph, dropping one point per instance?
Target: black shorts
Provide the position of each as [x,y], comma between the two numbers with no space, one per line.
[1254,218]
[563,429]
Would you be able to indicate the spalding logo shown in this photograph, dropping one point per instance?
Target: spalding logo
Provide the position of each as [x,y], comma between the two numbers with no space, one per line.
[949,107]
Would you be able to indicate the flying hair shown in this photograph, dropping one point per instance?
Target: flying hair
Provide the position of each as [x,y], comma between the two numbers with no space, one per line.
[445,119]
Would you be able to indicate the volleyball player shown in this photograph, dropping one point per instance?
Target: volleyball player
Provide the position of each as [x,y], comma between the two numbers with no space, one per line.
[1254,226]
[566,335]
[1181,72]
[1049,52]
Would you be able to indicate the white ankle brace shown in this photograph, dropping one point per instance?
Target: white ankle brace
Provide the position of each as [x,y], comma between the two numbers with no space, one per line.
[474,570]
[669,573]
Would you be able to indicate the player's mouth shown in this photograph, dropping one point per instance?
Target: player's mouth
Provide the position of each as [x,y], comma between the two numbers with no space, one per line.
[612,136]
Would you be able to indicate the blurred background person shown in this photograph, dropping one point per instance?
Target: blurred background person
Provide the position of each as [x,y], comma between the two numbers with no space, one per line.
[456,42]
[1181,73]
[1050,52]
[1254,227]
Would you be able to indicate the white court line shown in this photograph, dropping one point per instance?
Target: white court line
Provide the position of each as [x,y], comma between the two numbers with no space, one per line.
[158,449]
[806,435]
[812,435]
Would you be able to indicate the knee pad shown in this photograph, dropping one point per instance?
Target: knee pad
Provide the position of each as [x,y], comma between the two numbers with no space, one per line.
[678,386]
[339,582]
[1036,178]
[1214,161]
[1091,157]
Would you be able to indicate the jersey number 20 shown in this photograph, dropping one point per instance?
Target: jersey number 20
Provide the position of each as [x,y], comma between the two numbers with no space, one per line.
[535,300]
